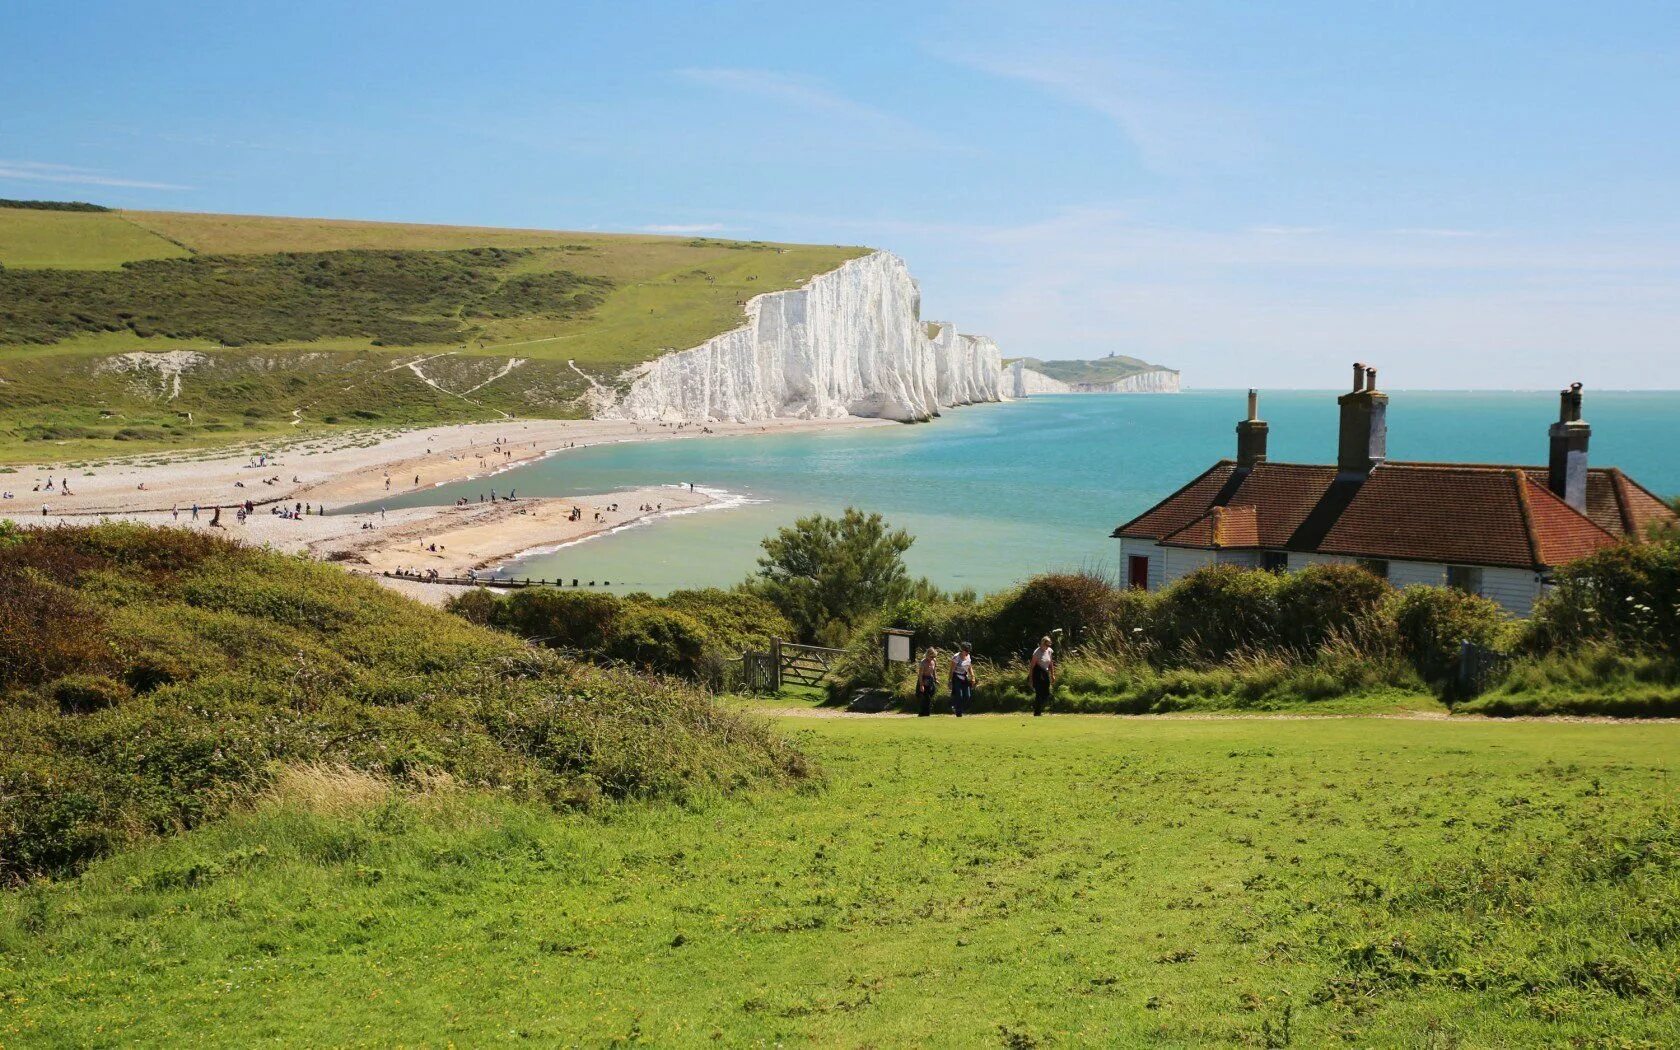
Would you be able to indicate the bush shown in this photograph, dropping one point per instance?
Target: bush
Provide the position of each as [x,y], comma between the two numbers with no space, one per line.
[1323,601]
[246,658]
[1431,622]
[1216,611]
[1628,594]
[84,693]
[655,639]
[687,633]
[1083,605]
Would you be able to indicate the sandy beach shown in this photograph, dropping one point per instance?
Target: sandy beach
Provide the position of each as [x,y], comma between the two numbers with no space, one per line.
[357,468]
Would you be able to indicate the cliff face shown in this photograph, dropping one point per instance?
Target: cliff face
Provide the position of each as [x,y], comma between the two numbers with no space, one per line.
[851,342]
[1157,381]
[1020,381]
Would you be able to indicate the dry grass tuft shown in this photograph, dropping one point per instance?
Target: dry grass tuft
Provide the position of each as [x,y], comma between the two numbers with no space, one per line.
[327,788]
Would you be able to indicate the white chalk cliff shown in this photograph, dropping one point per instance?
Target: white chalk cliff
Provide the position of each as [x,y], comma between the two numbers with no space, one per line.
[1154,381]
[1018,380]
[850,342]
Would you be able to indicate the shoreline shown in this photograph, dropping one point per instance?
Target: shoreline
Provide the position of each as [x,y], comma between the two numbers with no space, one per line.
[356,469]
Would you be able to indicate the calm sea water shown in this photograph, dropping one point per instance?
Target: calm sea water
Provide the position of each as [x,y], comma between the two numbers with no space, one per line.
[994,493]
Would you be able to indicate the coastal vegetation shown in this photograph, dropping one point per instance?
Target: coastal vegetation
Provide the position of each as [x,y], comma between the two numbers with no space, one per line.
[287,328]
[247,793]
[1227,638]
[155,679]
[691,634]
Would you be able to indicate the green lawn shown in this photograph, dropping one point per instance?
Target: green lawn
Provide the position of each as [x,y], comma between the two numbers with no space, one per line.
[994,881]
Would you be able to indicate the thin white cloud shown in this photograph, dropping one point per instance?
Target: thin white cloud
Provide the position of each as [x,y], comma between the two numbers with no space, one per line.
[806,96]
[36,171]
[1175,124]
[679,228]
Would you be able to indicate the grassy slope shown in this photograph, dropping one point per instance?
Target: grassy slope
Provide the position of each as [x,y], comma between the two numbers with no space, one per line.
[995,881]
[74,240]
[668,293]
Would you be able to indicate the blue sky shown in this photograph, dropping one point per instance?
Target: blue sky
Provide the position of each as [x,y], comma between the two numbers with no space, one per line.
[1469,194]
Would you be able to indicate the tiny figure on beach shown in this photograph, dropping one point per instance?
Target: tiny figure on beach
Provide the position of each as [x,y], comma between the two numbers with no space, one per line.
[1042,674]
[962,679]
[927,681]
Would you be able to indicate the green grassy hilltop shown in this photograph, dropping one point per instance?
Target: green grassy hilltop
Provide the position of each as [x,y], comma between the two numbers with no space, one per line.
[289,326]
[1102,370]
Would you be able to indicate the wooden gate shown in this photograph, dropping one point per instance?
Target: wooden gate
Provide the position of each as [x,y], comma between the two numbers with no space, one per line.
[802,664]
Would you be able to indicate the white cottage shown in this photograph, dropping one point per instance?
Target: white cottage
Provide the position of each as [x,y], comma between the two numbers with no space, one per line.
[1497,531]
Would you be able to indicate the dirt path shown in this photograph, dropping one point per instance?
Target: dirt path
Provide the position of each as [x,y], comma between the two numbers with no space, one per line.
[777,711]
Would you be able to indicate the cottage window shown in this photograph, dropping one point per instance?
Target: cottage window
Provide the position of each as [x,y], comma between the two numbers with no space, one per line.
[1274,561]
[1466,578]
[1377,567]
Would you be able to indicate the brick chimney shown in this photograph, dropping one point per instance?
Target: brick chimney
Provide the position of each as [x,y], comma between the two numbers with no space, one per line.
[1363,442]
[1251,434]
[1567,473]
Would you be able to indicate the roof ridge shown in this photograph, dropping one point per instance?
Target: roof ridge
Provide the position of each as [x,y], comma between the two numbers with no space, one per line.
[1522,482]
[1118,529]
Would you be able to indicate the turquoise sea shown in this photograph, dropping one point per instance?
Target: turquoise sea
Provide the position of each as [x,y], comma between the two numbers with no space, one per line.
[995,493]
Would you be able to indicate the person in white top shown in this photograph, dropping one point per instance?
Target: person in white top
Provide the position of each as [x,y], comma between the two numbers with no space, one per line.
[962,680]
[1042,674]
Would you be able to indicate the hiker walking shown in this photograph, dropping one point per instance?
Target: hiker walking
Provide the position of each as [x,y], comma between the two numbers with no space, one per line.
[1042,674]
[962,679]
[927,681]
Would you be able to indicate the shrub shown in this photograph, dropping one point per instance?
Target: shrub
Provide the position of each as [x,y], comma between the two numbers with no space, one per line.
[1081,604]
[1216,611]
[85,693]
[1629,594]
[49,631]
[656,639]
[1431,622]
[1322,601]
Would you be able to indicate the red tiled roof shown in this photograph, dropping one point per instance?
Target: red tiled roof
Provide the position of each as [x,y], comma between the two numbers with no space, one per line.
[1459,514]
[1225,528]
[1560,531]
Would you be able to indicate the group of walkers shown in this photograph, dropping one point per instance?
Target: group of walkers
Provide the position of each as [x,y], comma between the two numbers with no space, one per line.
[1041,675]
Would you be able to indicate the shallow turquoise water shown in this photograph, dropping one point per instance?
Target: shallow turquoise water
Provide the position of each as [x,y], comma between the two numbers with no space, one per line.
[994,493]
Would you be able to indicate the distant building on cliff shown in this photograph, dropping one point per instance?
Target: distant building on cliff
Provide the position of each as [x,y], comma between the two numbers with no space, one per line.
[1493,530]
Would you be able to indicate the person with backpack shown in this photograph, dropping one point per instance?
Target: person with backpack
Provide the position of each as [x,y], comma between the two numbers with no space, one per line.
[927,681]
[962,679]
[1042,674]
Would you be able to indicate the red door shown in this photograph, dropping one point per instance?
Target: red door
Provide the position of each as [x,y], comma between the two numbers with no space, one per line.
[1137,572]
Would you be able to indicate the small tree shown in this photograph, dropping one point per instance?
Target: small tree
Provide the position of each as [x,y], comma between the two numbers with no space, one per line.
[827,574]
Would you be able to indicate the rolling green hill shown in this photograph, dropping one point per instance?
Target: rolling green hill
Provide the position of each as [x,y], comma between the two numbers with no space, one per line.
[1103,370]
[284,327]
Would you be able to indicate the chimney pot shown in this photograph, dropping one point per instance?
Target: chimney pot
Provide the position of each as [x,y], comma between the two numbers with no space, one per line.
[1362,443]
[1251,434]
[1566,473]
